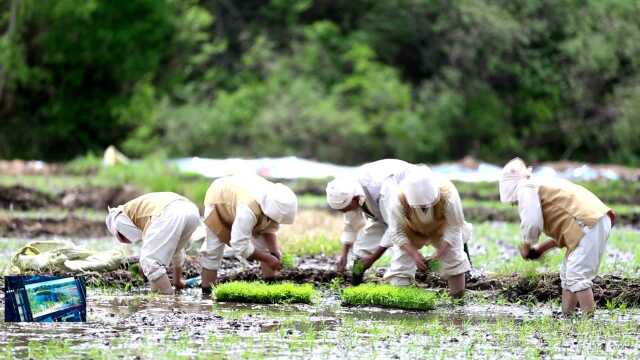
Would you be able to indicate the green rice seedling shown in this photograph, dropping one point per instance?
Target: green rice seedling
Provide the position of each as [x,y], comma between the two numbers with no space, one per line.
[357,272]
[434,265]
[410,298]
[288,261]
[336,283]
[262,293]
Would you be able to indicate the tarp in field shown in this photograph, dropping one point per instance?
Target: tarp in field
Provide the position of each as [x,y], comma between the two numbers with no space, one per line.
[63,255]
[468,169]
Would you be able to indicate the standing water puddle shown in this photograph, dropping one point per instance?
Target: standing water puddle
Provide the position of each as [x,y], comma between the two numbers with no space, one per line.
[185,326]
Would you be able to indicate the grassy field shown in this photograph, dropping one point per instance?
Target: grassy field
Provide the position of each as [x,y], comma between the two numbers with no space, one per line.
[493,247]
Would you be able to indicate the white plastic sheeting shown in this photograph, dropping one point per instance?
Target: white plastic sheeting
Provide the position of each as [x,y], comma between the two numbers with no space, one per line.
[278,168]
[297,168]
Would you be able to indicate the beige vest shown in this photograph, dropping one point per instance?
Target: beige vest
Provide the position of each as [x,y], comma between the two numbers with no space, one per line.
[566,208]
[141,209]
[420,233]
[225,194]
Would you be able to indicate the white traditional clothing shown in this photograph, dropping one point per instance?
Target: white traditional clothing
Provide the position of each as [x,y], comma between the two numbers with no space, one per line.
[453,230]
[239,211]
[568,213]
[364,227]
[163,222]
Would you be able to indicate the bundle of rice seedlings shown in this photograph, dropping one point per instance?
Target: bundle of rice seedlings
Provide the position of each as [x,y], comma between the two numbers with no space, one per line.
[262,293]
[388,296]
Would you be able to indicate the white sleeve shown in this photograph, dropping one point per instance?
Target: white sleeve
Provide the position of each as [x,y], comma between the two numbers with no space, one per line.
[242,231]
[531,220]
[394,215]
[127,228]
[353,222]
[454,218]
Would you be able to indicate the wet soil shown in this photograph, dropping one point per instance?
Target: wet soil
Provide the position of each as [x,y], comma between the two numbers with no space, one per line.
[514,288]
[97,197]
[22,198]
[70,226]
[606,289]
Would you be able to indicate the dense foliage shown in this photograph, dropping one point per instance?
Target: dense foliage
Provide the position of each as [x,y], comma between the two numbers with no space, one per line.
[342,81]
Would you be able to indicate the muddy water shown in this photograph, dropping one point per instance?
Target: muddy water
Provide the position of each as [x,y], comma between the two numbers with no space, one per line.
[184,326]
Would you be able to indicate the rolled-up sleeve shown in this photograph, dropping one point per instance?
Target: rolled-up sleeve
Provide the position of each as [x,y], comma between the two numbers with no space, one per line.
[242,231]
[353,222]
[531,220]
[454,217]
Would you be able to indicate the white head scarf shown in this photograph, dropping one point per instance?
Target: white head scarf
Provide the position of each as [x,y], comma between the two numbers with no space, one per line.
[341,191]
[512,176]
[421,187]
[280,204]
[110,221]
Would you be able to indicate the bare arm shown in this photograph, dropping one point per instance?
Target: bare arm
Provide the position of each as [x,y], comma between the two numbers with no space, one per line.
[371,259]
[441,250]
[272,244]
[530,252]
[415,255]
[342,260]
[178,280]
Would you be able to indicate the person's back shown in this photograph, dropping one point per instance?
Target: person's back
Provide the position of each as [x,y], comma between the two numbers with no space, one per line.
[572,216]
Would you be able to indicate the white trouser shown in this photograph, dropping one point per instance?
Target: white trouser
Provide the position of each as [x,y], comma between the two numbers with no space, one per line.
[580,267]
[402,270]
[369,238]
[212,249]
[166,238]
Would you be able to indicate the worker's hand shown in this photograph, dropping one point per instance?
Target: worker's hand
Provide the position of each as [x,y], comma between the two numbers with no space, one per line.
[341,264]
[272,262]
[529,252]
[433,263]
[421,263]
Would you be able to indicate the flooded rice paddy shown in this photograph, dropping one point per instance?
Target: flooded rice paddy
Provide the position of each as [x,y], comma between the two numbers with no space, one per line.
[510,312]
[142,325]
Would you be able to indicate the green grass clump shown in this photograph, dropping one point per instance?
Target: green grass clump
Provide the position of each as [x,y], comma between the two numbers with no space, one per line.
[262,293]
[307,245]
[409,298]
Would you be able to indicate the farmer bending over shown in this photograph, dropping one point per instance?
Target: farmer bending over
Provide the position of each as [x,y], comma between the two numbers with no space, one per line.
[244,212]
[572,216]
[164,222]
[358,198]
[426,209]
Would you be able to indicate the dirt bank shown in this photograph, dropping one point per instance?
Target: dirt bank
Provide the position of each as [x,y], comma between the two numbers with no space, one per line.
[70,226]
[22,198]
[97,197]
[18,197]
